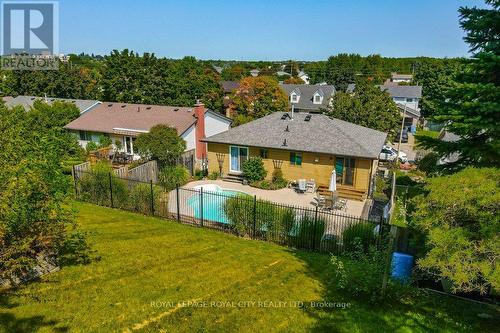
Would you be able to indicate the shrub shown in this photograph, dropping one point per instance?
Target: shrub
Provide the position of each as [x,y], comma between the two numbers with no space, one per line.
[200,174]
[361,273]
[253,169]
[141,197]
[91,146]
[381,187]
[309,232]
[213,175]
[95,187]
[263,184]
[359,235]
[277,182]
[104,141]
[428,164]
[271,222]
[172,176]
[161,143]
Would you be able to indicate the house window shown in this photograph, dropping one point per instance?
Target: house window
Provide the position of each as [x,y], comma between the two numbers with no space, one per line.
[295,158]
[85,136]
[263,153]
[294,98]
[317,99]
[409,100]
[129,145]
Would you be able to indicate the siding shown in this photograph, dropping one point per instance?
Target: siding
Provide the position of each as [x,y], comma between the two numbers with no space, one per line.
[314,166]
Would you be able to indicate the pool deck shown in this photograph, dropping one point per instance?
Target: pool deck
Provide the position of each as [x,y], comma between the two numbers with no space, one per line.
[285,196]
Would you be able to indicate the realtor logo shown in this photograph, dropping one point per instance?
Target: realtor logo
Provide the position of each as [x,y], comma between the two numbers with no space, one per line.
[29,27]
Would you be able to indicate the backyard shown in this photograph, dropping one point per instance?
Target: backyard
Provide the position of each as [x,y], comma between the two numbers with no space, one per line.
[157,275]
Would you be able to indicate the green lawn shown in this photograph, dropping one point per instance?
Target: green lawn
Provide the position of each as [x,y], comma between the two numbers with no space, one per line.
[149,265]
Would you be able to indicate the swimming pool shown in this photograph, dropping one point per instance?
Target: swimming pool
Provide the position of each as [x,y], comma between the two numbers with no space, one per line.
[214,198]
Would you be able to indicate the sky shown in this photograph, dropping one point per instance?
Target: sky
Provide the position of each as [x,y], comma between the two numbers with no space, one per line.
[264,29]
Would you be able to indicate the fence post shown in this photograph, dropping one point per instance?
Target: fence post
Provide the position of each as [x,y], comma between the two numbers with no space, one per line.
[74,180]
[201,205]
[314,227]
[152,198]
[254,215]
[177,199]
[111,190]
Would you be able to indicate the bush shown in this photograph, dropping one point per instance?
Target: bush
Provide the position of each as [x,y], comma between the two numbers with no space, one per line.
[95,187]
[253,169]
[271,222]
[277,182]
[213,175]
[91,146]
[141,197]
[172,176]
[359,236]
[200,174]
[381,187]
[104,141]
[361,274]
[428,164]
[309,232]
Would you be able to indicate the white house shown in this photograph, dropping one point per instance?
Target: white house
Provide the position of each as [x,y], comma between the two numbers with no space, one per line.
[123,122]
[309,98]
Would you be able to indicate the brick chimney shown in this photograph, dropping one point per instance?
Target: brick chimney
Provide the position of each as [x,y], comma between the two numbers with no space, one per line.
[201,147]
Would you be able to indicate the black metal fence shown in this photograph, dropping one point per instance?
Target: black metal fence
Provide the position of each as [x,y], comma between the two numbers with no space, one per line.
[233,212]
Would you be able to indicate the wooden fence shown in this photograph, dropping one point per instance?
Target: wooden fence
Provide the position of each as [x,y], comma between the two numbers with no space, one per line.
[80,169]
[145,173]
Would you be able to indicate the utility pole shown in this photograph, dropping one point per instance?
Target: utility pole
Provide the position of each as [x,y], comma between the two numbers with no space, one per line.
[401,134]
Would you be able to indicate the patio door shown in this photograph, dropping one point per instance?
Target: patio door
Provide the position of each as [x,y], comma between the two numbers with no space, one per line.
[238,156]
[129,145]
[344,168]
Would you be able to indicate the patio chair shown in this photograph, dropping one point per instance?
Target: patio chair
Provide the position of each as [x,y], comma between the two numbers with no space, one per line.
[311,186]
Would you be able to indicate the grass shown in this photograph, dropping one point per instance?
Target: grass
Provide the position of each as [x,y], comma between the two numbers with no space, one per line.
[147,263]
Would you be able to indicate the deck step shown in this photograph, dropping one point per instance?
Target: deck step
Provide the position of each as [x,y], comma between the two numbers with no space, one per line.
[351,193]
[233,178]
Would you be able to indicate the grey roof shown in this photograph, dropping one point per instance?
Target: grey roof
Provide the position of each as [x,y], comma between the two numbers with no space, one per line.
[27,102]
[307,92]
[409,109]
[319,135]
[403,91]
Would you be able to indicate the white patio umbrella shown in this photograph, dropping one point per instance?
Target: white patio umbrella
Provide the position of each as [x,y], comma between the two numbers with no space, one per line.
[333,181]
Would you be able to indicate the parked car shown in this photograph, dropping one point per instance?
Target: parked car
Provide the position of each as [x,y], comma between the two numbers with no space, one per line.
[390,154]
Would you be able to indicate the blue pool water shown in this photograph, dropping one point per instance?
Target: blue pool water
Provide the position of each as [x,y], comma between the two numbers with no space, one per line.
[213,204]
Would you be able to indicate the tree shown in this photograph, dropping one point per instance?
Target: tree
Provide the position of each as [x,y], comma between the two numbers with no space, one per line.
[234,73]
[35,218]
[368,106]
[470,110]
[460,218]
[161,143]
[436,78]
[294,80]
[257,97]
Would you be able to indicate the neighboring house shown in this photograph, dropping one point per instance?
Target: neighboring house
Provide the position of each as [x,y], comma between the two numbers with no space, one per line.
[282,73]
[304,77]
[407,78]
[123,122]
[254,72]
[309,98]
[407,98]
[309,146]
[27,102]
[350,88]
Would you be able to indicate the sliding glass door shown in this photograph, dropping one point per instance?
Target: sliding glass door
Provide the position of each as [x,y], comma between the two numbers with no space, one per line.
[344,168]
[238,156]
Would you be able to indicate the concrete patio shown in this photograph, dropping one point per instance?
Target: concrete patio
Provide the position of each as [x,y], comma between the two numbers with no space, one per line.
[285,196]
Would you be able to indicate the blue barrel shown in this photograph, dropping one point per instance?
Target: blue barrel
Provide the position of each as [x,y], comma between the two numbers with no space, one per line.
[402,264]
